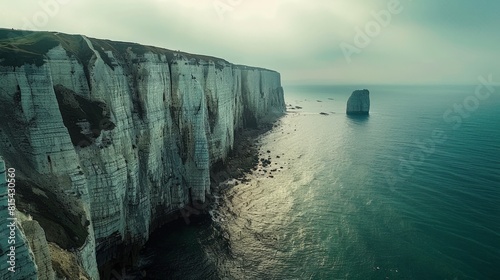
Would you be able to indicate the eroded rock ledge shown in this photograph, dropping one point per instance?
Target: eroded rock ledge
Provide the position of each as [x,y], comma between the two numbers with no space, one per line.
[111,139]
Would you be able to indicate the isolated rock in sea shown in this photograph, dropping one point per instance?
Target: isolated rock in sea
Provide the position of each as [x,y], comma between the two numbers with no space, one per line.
[111,139]
[359,103]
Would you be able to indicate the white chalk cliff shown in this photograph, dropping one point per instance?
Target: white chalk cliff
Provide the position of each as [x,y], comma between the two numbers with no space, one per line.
[358,103]
[109,139]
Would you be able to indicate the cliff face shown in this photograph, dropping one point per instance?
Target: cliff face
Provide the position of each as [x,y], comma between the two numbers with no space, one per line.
[109,138]
[17,260]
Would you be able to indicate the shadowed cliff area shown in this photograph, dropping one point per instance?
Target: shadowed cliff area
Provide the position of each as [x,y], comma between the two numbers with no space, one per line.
[74,109]
[61,225]
[112,139]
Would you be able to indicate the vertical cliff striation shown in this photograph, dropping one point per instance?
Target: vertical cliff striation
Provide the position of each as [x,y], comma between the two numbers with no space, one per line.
[109,139]
[17,261]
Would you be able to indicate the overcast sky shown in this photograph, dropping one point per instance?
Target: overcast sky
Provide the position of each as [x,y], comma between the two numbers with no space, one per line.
[311,41]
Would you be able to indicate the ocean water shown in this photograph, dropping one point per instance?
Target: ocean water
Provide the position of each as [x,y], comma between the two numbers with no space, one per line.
[410,192]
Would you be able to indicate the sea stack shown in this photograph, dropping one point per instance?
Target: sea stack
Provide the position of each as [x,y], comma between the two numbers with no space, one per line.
[358,103]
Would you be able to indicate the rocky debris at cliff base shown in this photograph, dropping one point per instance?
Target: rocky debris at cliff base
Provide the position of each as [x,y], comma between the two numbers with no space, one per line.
[246,160]
[292,107]
[64,264]
[358,103]
[242,161]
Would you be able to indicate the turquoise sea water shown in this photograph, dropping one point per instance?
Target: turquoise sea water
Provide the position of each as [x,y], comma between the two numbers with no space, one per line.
[401,194]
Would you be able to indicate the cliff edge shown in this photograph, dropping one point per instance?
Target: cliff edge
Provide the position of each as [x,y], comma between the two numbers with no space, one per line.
[110,139]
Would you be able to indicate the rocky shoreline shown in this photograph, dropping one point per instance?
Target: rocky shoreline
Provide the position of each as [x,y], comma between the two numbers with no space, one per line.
[242,161]
[111,138]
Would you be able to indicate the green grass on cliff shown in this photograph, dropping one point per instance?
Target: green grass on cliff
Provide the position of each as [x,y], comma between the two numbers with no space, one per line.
[121,49]
[19,47]
[28,47]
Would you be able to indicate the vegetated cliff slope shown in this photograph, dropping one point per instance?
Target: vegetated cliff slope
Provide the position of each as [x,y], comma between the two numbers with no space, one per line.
[109,138]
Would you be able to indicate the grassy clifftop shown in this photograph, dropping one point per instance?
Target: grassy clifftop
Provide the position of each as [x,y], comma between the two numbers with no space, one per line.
[27,47]
[30,47]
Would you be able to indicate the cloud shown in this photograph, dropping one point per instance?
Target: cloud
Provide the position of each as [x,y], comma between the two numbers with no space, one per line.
[427,42]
